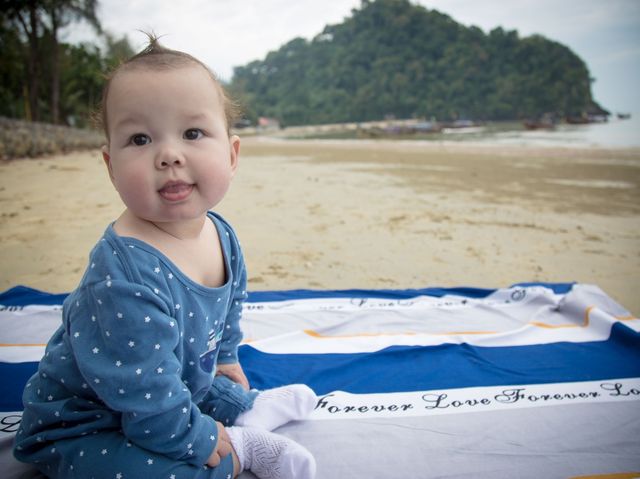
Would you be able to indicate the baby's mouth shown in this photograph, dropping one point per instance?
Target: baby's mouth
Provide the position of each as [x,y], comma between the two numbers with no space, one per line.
[175,190]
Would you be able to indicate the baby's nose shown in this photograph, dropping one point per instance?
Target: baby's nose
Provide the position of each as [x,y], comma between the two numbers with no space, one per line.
[169,156]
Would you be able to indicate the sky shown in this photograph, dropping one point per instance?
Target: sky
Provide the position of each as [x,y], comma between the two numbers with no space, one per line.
[228,33]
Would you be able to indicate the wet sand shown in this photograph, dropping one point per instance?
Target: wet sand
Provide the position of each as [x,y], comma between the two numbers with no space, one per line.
[364,214]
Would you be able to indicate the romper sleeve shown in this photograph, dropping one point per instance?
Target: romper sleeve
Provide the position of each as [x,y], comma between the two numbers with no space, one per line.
[124,340]
[232,334]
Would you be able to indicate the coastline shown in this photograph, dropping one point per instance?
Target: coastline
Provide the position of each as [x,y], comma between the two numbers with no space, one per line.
[339,214]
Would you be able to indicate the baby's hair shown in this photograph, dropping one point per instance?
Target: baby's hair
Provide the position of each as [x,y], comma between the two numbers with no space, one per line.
[159,58]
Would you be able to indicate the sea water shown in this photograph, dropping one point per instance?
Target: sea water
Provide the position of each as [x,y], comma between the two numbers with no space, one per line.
[615,133]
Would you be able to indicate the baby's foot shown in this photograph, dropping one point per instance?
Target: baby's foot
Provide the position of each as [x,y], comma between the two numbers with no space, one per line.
[275,407]
[271,456]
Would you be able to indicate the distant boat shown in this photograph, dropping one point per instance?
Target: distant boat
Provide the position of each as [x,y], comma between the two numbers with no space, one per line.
[543,124]
[586,119]
[624,116]
[427,127]
[598,118]
[459,124]
[399,129]
[577,120]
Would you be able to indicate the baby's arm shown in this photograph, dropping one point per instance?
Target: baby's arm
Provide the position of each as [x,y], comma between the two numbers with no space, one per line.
[228,364]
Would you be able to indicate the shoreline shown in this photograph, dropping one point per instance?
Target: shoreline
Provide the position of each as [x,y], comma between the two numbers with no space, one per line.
[343,214]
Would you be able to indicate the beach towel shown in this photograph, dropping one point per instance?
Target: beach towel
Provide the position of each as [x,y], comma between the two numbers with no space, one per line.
[534,380]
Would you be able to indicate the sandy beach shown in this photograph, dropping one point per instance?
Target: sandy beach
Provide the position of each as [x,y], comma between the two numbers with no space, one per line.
[364,214]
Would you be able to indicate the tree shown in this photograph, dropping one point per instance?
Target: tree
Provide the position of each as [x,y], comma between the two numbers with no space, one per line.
[59,13]
[13,101]
[40,20]
[24,15]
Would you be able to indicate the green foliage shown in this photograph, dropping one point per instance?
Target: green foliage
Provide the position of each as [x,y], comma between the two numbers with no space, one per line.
[44,79]
[393,58]
[13,74]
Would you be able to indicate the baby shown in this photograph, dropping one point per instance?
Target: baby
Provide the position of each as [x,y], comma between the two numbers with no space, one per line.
[142,379]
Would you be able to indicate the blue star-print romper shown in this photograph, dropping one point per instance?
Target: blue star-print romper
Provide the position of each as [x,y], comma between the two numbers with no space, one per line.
[127,386]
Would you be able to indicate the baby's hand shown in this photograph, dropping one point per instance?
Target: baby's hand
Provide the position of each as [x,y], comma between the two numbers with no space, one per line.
[235,373]
[223,447]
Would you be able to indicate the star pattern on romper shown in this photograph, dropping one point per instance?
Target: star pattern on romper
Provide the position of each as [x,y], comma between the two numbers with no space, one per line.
[189,331]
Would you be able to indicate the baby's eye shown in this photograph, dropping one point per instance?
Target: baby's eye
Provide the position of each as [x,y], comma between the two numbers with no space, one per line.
[193,134]
[140,139]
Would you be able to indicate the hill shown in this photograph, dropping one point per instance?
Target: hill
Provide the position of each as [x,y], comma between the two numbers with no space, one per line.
[394,58]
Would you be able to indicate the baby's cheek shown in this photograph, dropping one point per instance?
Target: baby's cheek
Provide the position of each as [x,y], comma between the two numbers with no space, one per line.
[134,189]
[215,187]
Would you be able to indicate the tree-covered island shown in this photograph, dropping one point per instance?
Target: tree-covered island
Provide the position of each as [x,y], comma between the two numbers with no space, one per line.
[392,58]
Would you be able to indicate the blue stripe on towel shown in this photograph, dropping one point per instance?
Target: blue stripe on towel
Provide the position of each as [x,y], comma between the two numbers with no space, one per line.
[448,366]
[23,296]
[14,377]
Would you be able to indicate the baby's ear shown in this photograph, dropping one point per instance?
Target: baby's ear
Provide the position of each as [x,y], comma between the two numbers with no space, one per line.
[234,143]
[107,160]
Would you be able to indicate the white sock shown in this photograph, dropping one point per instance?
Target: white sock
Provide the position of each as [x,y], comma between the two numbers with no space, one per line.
[275,407]
[271,456]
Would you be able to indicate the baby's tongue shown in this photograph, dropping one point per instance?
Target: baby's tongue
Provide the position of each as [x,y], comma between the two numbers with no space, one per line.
[176,191]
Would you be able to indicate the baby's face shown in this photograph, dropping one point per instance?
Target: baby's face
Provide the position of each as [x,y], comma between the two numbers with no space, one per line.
[169,153]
